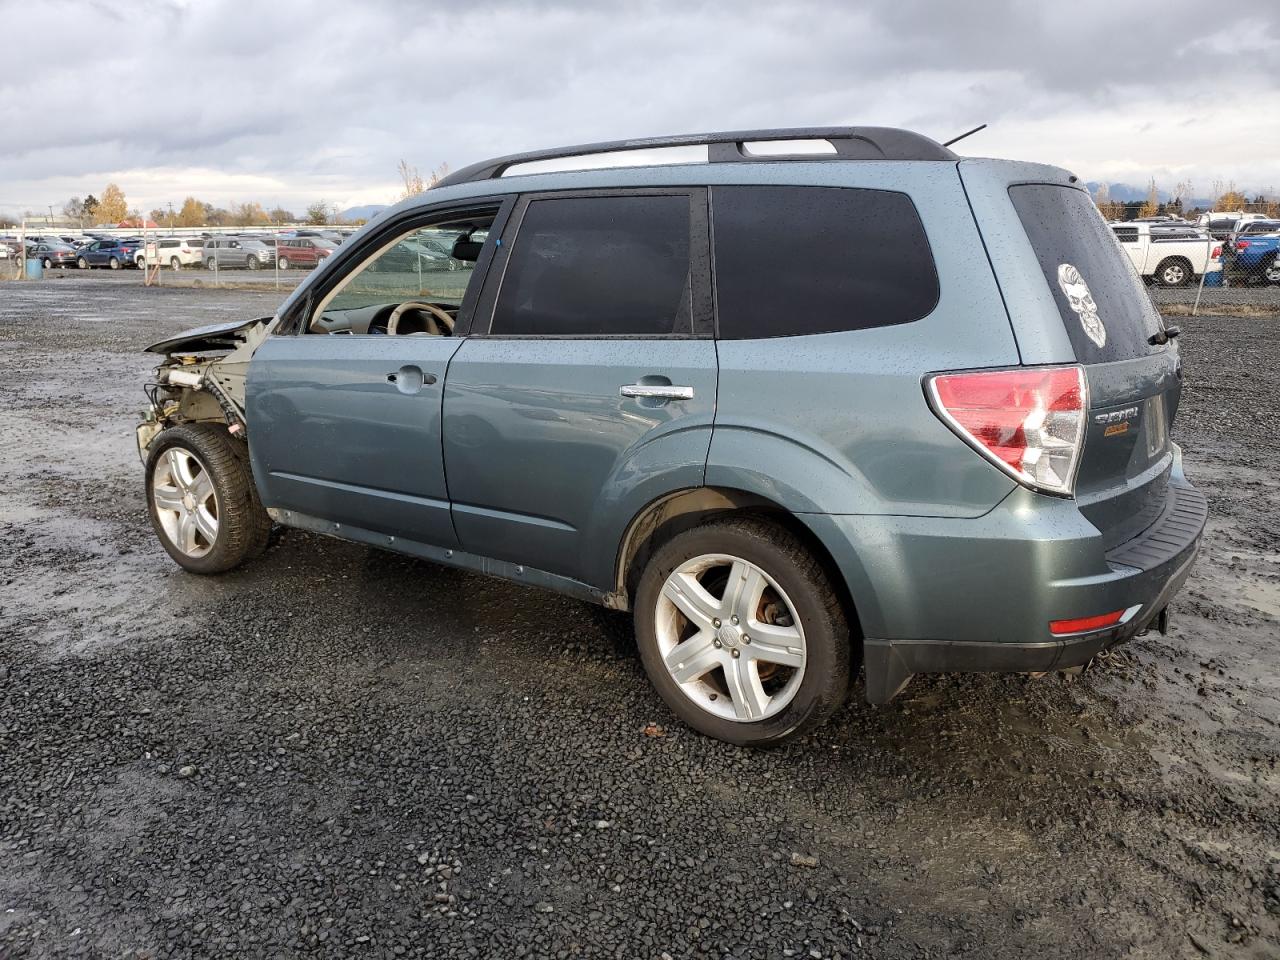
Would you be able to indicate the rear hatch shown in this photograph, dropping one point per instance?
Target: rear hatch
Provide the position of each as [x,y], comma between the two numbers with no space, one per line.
[1134,385]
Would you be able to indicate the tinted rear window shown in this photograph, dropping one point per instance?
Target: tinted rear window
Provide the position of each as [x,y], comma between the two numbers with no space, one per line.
[598,266]
[1095,286]
[802,260]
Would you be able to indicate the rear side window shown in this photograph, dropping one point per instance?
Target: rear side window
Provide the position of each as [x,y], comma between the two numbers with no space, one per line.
[1104,306]
[802,260]
[598,266]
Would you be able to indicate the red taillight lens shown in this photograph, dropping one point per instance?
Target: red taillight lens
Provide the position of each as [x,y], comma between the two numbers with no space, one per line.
[1242,244]
[1061,628]
[1029,422]
[1217,252]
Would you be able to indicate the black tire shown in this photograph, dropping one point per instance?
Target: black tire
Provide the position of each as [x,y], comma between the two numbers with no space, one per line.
[284,263]
[48,264]
[244,529]
[211,264]
[825,682]
[175,264]
[1174,272]
[82,263]
[251,263]
[114,263]
[1269,270]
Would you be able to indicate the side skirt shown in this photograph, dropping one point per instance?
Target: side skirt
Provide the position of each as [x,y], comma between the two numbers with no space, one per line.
[449,556]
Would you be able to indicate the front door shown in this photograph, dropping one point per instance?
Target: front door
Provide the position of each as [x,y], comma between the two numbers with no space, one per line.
[588,387]
[344,414]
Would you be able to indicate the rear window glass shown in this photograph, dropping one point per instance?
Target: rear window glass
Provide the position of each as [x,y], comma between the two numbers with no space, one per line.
[1104,306]
[801,260]
[598,266]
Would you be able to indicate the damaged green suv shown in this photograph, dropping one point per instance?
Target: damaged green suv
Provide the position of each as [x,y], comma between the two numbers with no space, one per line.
[861,402]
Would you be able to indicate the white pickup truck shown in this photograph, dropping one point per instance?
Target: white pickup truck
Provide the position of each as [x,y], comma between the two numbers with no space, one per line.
[1171,256]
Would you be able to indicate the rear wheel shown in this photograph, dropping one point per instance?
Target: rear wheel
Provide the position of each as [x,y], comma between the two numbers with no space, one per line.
[48,264]
[114,263]
[175,263]
[210,264]
[741,632]
[202,501]
[1174,272]
[1271,270]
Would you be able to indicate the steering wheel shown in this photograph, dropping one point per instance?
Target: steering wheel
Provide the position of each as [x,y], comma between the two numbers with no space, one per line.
[434,313]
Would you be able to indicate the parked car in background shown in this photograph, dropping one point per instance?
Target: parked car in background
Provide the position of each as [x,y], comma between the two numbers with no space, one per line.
[1254,259]
[222,252]
[174,252]
[110,253]
[333,236]
[911,414]
[55,255]
[1222,223]
[302,251]
[1248,227]
[1169,256]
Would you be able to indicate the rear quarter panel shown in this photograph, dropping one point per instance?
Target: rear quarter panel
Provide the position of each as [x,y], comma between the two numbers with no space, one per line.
[838,423]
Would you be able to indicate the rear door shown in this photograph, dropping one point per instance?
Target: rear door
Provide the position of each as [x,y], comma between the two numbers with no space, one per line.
[589,388]
[1072,298]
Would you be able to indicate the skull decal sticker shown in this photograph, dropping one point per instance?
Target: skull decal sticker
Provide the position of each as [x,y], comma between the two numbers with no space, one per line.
[1081,300]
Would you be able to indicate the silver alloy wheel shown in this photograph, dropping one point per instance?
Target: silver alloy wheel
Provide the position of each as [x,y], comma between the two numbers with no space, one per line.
[114,264]
[739,655]
[1272,272]
[284,263]
[1174,274]
[185,501]
[175,263]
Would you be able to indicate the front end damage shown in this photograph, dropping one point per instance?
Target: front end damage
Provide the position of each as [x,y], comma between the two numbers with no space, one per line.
[202,379]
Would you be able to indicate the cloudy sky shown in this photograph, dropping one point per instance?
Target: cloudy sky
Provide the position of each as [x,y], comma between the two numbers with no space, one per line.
[293,102]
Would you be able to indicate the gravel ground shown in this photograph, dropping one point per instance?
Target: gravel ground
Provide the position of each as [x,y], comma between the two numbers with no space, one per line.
[343,753]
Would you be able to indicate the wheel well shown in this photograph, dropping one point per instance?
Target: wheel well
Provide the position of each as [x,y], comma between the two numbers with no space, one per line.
[671,515]
[1175,259]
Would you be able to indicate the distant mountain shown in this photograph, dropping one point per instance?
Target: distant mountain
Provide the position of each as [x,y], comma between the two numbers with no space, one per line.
[366,212]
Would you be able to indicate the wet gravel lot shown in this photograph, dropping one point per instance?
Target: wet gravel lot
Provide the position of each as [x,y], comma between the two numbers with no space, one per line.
[343,753]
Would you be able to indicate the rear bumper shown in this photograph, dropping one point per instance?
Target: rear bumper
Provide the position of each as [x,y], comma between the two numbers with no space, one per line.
[991,586]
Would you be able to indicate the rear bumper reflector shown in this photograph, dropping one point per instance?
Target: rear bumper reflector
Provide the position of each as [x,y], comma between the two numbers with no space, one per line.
[1066,628]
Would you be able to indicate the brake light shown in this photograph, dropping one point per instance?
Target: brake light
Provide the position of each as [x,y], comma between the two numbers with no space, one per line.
[1060,628]
[1241,244]
[1029,422]
[1217,252]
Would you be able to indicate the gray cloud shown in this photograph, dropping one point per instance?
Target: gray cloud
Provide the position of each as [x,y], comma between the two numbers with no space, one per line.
[291,102]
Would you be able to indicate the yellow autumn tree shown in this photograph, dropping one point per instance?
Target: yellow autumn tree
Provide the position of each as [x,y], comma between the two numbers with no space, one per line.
[1152,205]
[192,213]
[1232,200]
[112,207]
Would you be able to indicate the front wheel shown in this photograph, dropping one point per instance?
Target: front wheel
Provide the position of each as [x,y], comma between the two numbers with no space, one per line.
[741,632]
[210,264]
[283,263]
[201,499]
[251,263]
[82,263]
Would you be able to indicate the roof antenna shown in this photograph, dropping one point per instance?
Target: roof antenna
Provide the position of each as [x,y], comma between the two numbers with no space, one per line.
[968,133]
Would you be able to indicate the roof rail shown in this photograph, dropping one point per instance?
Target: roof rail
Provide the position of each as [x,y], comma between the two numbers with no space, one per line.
[851,143]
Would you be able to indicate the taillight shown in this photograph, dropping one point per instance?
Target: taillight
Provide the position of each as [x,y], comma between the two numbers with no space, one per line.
[1217,252]
[1242,244]
[1028,422]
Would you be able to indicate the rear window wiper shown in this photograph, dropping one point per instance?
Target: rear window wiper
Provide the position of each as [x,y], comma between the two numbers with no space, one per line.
[1164,336]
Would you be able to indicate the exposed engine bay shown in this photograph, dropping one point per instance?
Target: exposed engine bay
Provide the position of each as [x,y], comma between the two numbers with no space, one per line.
[201,379]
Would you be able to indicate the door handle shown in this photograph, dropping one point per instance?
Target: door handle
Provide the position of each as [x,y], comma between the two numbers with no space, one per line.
[410,379]
[656,391]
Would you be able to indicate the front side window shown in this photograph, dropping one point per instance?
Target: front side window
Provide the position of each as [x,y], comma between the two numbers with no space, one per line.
[408,270]
[599,266]
[804,260]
